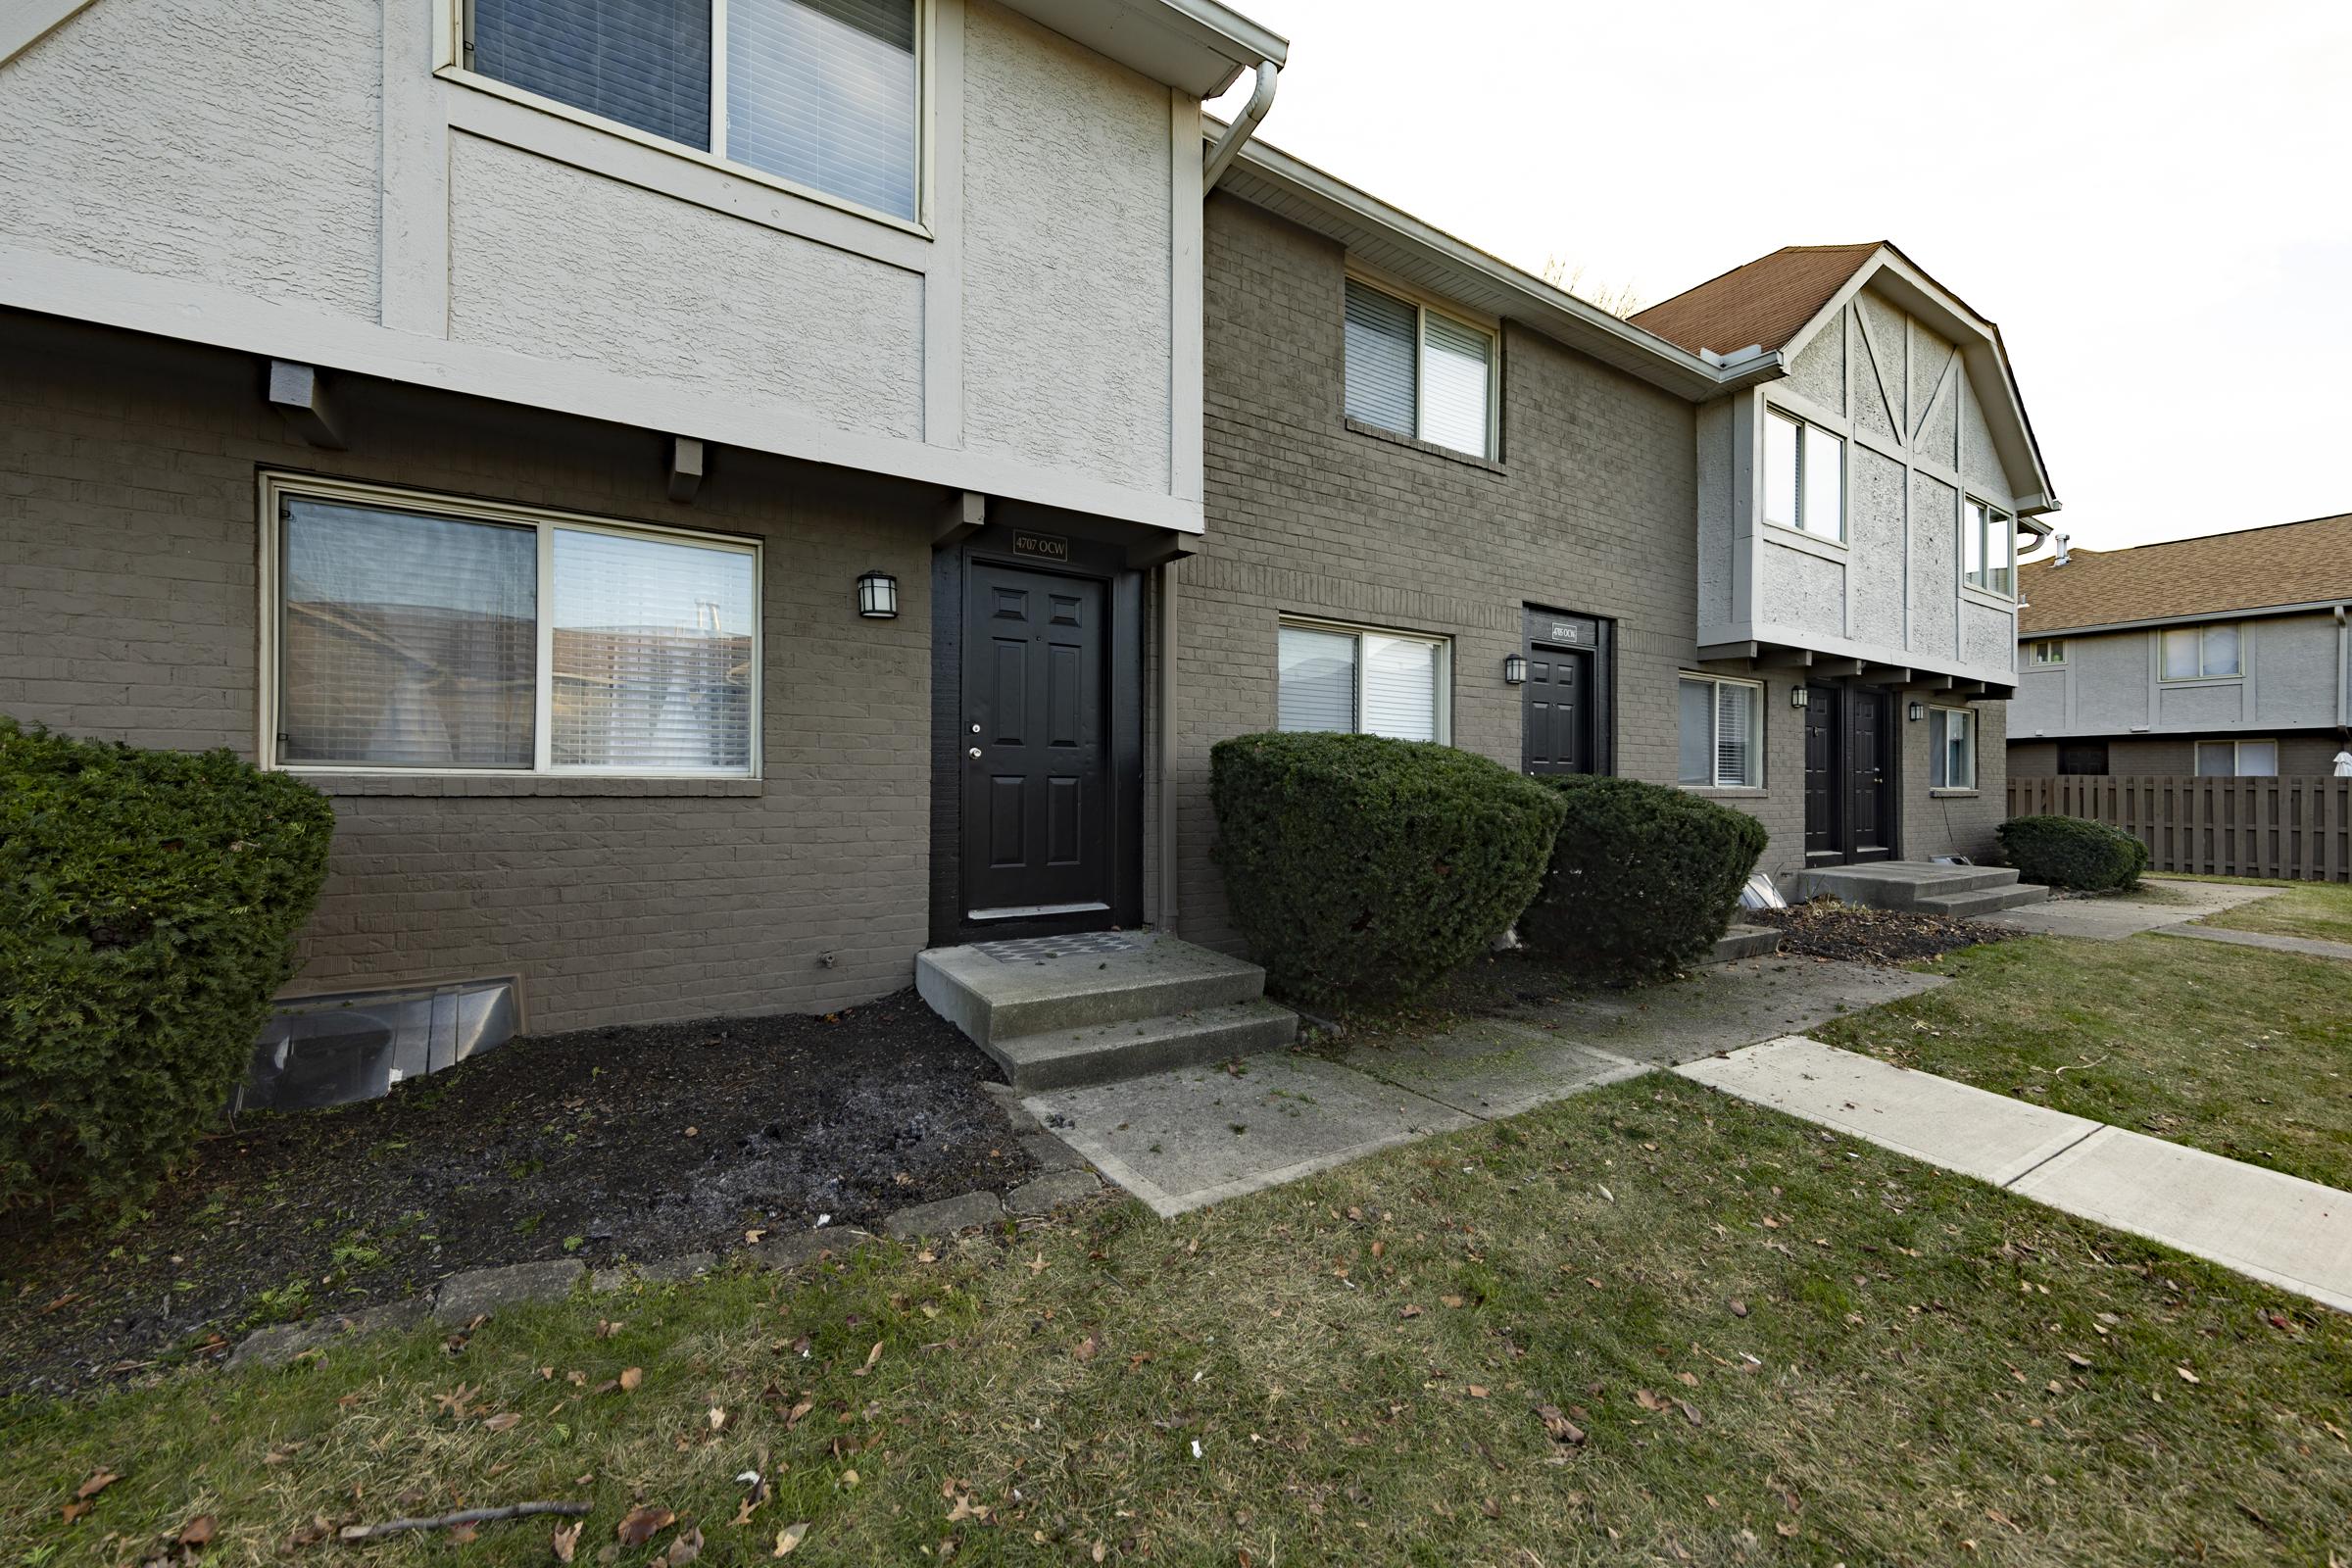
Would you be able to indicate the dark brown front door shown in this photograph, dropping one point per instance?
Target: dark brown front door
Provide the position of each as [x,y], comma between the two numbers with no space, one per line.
[1849,774]
[1564,704]
[1036,792]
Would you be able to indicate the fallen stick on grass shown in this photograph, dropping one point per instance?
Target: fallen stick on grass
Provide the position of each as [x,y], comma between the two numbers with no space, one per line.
[463,1516]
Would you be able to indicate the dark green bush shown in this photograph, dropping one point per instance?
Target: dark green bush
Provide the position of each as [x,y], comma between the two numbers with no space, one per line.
[2067,852]
[1365,868]
[1643,878]
[148,906]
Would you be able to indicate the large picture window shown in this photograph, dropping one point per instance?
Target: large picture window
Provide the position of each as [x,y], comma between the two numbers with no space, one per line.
[822,93]
[1722,727]
[1987,547]
[415,633]
[1804,476]
[1418,371]
[2201,652]
[1953,749]
[1368,682]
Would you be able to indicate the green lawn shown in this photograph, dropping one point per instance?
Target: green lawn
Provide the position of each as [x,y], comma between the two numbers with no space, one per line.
[2244,1052]
[2320,909]
[1353,1369]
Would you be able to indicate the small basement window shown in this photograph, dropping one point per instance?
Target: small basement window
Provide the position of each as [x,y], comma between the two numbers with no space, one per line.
[1722,731]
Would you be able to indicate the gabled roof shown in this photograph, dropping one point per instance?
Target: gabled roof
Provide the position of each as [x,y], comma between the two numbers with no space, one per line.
[2306,563]
[1766,302]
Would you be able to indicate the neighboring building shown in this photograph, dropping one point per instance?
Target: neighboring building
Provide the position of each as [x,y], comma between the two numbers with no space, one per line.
[717,540]
[2225,655]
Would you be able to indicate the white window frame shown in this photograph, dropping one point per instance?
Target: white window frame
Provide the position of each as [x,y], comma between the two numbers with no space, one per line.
[1758,715]
[277,487]
[1940,750]
[1444,718]
[2204,630]
[1999,521]
[1423,308]
[1801,524]
[2047,652]
[450,29]
[2236,751]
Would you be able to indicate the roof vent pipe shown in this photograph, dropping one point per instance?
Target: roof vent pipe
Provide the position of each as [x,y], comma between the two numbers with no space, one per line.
[2063,557]
[1244,125]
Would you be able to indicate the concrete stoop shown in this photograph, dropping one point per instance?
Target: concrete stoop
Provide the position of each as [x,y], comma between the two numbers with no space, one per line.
[1096,1008]
[1921,886]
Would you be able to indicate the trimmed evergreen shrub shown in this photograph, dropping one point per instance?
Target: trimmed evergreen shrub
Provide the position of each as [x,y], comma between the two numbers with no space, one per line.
[1366,868]
[148,906]
[2067,852]
[1644,877]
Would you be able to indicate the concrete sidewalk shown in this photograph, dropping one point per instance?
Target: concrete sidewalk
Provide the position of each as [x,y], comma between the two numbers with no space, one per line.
[2111,917]
[2308,947]
[2275,1228]
[1180,1140]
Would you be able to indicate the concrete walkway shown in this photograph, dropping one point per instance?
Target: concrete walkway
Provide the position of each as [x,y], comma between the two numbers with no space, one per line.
[2311,946]
[1180,1140]
[2279,1228]
[2112,917]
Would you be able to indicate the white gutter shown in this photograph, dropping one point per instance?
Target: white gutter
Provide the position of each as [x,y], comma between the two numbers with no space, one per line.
[1244,125]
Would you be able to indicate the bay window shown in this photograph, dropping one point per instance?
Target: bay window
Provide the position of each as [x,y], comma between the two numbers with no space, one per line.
[1722,733]
[422,633]
[1362,682]
[1987,547]
[1804,476]
[1418,371]
[1951,749]
[822,93]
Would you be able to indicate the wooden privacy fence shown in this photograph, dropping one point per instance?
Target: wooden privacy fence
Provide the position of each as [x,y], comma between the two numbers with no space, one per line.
[2294,828]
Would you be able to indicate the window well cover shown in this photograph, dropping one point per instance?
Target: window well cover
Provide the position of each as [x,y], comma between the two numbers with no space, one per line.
[329,1050]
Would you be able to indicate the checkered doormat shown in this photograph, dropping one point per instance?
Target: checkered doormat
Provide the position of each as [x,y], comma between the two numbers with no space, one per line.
[1037,950]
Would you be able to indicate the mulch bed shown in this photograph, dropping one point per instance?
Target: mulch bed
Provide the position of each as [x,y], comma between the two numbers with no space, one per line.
[639,1143]
[1891,938]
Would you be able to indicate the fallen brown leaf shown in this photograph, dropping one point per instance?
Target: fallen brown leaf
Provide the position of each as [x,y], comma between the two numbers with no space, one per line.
[567,1540]
[640,1523]
[197,1531]
[630,1378]
[789,1538]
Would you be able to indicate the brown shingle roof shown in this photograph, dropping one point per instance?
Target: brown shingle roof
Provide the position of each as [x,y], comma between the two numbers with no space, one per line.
[1765,301]
[2286,564]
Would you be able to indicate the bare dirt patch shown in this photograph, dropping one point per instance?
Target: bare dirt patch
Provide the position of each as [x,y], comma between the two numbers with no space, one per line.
[1891,938]
[638,1143]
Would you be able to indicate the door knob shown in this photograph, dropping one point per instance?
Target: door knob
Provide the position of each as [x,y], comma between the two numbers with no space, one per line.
[975,753]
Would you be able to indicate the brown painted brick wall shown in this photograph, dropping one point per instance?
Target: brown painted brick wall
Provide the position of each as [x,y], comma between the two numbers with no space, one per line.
[1591,508]
[128,610]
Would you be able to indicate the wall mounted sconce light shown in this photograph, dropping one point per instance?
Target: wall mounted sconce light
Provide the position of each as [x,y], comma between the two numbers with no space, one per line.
[879,596]
[1514,669]
[1919,711]
[1801,697]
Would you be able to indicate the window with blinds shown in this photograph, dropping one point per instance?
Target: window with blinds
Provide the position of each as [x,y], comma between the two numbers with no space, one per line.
[1417,372]
[823,93]
[1721,736]
[413,636]
[1951,749]
[1367,683]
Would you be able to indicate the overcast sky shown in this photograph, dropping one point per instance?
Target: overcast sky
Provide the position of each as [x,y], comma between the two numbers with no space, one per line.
[2154,200]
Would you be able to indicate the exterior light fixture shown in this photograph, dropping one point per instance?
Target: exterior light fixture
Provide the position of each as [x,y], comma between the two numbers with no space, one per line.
[879,596]
[1800,696]
[1514,669]
[1919,711]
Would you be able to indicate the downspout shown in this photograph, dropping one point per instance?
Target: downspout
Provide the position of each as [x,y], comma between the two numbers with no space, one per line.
[1244,125]
[1164,658]
[2343,655]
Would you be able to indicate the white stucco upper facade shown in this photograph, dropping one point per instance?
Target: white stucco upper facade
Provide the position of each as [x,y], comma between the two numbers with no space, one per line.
[1917,395]
[327,182]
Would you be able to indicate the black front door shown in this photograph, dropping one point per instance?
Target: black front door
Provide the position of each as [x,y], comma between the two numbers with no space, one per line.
[1870,774]
[1036,765]
[1825,823]
[1849,774]
[1563,705]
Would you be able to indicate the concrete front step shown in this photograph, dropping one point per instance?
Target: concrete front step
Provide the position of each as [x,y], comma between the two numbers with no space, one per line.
[1896,884]
[1986,901]
[1745,942]
[1106,1052]
[1001,991]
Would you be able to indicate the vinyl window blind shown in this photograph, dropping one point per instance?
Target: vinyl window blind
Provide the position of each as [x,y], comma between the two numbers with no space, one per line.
[823,93]
[1952,748]
[1376,683]
[415,639]
[1416,372]
[1721,733]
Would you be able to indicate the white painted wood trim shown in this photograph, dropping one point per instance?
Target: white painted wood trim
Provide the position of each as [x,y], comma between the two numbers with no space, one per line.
[412,224]
[224,317]
[943,278]
[25,22]
[1186,251]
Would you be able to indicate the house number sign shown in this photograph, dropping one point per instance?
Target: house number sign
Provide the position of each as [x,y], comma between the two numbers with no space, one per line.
[1040,546]
[1567,631]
